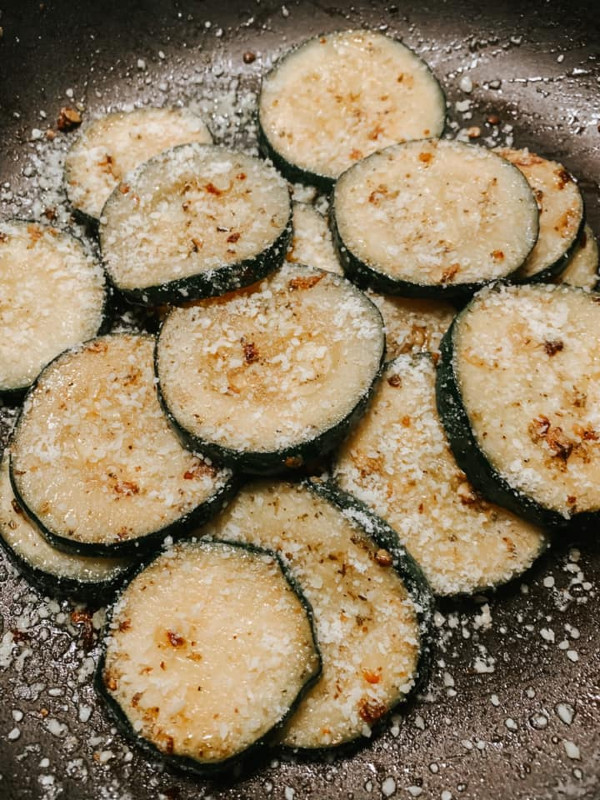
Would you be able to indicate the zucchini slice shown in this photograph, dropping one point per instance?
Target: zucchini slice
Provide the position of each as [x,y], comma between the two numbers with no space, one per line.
[311,241]
[519,392]
[51,570]
[111,146]
[209,648]
[52,296]
[339,97]
[397,461]
[411,324]
[582,268]
[95,462]
[272,376]
[433,218]
[370,601]
[195,221]
[561,214]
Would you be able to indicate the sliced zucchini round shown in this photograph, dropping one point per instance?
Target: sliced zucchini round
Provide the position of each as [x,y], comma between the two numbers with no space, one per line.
[519,392]
[311,241]
[272,376]
[397,461]
[209,649]
[195,221]
[412,325]
[52,296]
[433,218]
[370,601]
[339,97]
[52,571]
[111,146]
[94,460]
[561,214]
[582,267]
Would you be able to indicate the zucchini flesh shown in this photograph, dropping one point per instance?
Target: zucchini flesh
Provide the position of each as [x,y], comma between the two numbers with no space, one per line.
[341,96]
[561,214]
[209,648]
[46,566]
[273,375]
[52,296]
[518,392]
[412,324]
[95,462]
[397,461]
[433,218]
[111,146]
[194,221]
[582,268]
[311,241]
[363,595]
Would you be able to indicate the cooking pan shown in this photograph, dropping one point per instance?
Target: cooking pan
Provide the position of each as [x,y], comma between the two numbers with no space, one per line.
[513,706]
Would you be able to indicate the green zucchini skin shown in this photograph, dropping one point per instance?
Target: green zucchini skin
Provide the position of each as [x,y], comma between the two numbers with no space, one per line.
[217,282]
[483,476]
[404,564]
[54,586]
[185,764]
[365,277]
[286,460]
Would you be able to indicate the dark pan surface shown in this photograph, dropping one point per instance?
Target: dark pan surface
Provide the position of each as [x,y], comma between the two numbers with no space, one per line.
[513,708]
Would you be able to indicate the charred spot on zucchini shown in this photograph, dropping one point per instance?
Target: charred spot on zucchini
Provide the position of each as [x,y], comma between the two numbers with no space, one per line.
[201,674]
[582,267]
[109,147]
[53,571]
[561,214]
[272,376]
[195,221]
[397,461]
[517,392]
[52,296]
[370,601]
[434,218]
[375,90]
[95,462]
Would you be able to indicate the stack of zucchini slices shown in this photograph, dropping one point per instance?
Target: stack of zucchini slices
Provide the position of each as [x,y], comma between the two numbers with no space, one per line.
[298,611]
